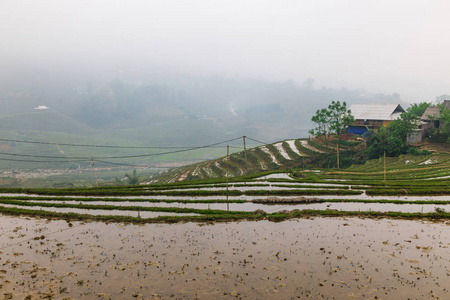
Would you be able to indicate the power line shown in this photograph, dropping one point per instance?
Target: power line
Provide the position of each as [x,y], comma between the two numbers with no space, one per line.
[83,159]
[129,165]
[120,157]
[101,146]
[46,161]
[44,156]
[76,161]
[257,141]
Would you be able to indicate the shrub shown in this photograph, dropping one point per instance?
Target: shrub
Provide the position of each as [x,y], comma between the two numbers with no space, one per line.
[415,151]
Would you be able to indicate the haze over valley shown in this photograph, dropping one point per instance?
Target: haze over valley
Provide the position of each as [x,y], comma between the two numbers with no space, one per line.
[188,74]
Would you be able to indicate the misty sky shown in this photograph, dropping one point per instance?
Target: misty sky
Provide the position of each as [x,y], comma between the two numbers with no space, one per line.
[383,46]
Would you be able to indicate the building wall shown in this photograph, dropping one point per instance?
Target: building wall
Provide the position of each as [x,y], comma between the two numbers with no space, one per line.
[415,137]
[373,124]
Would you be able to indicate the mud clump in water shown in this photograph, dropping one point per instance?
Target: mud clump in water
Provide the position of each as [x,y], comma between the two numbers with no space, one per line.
[276,200]
[317,258]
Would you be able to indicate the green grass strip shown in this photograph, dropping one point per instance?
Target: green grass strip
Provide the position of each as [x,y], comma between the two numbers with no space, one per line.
[275,217]
[311,186]
[301,192]
[409,192]
[420,202]
[371,201]
[374,214]
[368,201]
[121,200]
[93,192]
[198,193]
[129,208]
[111,218]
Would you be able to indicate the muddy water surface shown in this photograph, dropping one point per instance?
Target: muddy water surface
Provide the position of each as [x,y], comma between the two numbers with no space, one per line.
[317,258]
[249,206]
[102,212]
[249,198]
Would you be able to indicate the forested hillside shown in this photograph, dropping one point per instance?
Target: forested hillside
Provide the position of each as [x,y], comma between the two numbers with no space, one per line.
[263,108]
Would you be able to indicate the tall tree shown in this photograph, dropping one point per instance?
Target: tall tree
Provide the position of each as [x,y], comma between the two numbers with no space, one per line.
[340,117]
[322,119]
[133,178]
[383,141]
[392,138]
[404,126]
[444,130]
[333,120]
[417,109]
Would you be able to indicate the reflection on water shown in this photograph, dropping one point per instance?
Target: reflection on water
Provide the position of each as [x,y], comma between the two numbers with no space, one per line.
[275,176]
[249,198]
[101,212]
[249,206]
[319,258]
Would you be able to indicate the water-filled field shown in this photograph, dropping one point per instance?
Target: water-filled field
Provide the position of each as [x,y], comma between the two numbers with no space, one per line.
[323,237]
[318,257]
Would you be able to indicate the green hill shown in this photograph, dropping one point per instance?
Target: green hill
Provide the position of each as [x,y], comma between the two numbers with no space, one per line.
[297,154]
[42,121]
[52,131]
[278,156]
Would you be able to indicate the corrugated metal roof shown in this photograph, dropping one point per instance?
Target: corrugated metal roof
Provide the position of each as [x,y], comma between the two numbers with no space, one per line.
[447,104]
[385,112]
[433,112]
[395,115]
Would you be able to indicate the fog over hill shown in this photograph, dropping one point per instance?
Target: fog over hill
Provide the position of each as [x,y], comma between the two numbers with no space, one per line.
[193,73]
[382,46]
[267,110]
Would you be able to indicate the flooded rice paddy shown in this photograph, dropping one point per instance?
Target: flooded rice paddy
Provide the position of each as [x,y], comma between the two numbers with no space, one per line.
[102,212]
[309,257]
[246,197]
[249,206]
[318,258]
[276,176]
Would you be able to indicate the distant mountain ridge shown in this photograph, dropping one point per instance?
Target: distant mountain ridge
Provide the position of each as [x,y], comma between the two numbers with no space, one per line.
[266,110]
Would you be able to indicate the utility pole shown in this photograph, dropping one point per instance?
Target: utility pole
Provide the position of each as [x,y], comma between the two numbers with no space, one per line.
[228,153]
[245,156]
[385,167]
[303,170]
[95,174]
[337,147]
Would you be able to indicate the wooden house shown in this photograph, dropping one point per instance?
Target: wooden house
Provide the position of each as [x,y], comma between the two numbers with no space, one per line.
[372,116]
[432,116]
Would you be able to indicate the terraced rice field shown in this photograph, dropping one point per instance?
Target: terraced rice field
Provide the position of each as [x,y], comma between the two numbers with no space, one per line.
[288,153]
[331,234]
[413,185]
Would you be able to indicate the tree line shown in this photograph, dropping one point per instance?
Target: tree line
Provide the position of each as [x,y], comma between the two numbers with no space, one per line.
[389,140]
